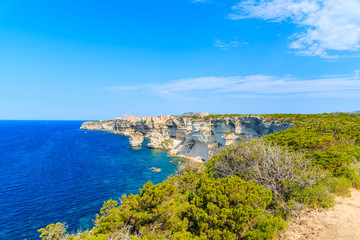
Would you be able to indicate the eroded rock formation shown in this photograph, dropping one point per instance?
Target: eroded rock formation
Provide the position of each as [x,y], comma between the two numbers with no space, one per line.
[136,139]
[197,138]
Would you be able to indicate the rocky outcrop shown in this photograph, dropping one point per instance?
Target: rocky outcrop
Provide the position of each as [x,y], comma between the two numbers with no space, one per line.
[105,125]
[198,138]
[136,139]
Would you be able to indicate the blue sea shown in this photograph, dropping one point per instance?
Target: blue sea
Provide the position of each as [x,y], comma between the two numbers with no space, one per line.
[51,171]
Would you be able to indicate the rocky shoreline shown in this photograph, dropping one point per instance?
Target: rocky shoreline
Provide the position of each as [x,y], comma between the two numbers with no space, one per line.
[196,138]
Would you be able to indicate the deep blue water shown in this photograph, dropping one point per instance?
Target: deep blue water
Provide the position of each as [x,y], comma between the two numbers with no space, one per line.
[51,171]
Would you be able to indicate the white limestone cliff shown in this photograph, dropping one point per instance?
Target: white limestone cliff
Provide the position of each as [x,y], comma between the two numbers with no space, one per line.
[196,138]
[136,139]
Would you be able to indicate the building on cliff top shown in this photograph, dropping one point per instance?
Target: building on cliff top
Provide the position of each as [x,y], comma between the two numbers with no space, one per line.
[147,119]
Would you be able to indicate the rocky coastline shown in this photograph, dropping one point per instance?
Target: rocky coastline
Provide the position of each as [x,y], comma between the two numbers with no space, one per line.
[194,136]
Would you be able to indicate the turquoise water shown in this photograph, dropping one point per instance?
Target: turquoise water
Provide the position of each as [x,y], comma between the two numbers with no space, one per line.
[51,171]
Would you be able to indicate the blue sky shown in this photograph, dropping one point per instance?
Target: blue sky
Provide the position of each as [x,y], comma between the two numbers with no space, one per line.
[103,59]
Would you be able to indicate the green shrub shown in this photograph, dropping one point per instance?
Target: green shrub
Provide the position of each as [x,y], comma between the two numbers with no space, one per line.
[53,231]
[230,132]
[353,174]
[315,197]
[231,208]
[267,165]
[194,206]
[340,186]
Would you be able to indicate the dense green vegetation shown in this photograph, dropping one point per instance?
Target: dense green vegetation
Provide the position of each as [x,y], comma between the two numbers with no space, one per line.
[272,167]
[246,191]
[192,205]
[332,141]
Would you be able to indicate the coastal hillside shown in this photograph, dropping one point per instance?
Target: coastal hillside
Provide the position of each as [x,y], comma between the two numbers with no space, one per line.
[248,190]
[193,135]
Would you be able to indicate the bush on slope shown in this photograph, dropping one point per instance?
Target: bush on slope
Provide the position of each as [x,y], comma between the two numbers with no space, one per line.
[190,206]
[332,141]
[268,165]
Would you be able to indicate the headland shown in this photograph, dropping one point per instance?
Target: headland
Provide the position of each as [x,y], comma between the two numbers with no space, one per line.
[197,136]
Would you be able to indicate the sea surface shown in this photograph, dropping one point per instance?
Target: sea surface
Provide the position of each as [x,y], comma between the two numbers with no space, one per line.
[51,171]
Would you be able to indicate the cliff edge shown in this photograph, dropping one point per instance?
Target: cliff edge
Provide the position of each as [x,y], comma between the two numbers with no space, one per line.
[197,137]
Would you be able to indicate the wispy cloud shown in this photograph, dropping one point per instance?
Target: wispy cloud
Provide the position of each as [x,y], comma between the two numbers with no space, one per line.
[226,45]
[253,86]
[326,24]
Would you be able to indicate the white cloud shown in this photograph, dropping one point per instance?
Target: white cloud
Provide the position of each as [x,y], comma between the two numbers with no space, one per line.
[226,45]
[253,86]
[357,74]
[326,24]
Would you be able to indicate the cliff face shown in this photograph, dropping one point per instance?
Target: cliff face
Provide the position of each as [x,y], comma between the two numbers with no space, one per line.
[195,138]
